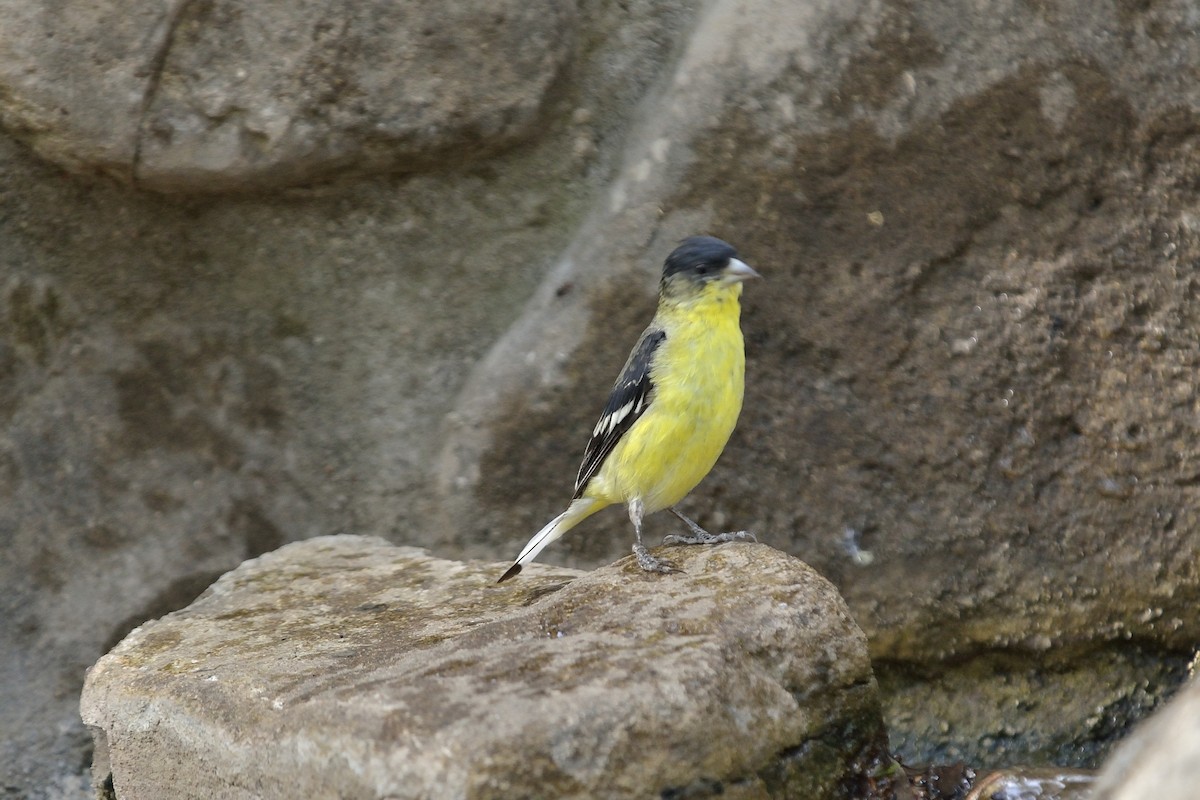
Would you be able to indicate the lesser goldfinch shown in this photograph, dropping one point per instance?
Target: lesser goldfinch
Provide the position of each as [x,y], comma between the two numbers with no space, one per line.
[674,406]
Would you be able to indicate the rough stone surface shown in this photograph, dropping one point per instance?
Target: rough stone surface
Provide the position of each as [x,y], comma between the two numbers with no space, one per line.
[1006,709]
[185,384]
[346,667]
[970,367]
[970,392]
[230,95]
[1161,759]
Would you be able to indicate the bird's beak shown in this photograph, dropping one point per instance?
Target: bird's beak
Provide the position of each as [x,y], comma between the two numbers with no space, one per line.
[738,271]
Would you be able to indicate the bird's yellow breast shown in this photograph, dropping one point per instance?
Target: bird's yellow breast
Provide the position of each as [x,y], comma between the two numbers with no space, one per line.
[698,376]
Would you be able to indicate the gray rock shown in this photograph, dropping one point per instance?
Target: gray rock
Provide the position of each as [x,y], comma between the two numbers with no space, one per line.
[230,95]
[950,202]
[346,667]
[1161,759]
[74,78]
[185,384]
[969,365]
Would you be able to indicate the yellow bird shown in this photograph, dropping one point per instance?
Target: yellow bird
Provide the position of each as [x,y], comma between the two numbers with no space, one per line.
[671,411]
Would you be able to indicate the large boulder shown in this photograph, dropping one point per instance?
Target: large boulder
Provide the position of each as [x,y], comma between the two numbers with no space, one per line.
[970,367]
[346,667]
[970,396]
[188,383]
[228,95]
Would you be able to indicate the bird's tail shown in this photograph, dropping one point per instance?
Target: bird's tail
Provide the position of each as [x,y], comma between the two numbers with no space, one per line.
[577,512]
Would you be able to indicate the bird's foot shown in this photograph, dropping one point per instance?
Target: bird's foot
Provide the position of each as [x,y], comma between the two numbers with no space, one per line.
[704,537]
[651,564]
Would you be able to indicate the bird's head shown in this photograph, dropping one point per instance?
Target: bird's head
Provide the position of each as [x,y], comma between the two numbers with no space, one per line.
[704,263]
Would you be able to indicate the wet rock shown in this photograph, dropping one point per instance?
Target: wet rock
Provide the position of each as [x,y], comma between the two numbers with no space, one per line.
[1161,758]
[345,665]
[940,782]
[1017,709]
[230,95]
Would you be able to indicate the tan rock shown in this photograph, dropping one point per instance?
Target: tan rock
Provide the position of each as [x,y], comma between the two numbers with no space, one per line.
[346,667]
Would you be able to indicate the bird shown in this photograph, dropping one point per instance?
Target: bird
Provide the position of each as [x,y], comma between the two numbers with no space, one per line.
[673,407]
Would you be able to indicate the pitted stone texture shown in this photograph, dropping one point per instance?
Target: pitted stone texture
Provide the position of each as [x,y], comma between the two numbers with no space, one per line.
[344,666]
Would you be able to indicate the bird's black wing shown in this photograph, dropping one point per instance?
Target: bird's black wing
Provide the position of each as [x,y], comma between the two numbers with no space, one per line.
[629,399]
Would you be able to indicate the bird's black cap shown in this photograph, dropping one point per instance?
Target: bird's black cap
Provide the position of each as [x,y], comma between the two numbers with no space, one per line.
[699,254]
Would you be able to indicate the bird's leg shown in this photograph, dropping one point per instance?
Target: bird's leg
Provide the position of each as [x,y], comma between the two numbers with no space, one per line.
[644,559]
[701,536]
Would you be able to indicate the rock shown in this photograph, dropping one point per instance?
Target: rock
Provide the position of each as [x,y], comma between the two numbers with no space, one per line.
[343,666]
[185,384]
[1007,708]
[1161,758]
[970,364]
[74,79]
[950,202]
[227,95]
[132,474]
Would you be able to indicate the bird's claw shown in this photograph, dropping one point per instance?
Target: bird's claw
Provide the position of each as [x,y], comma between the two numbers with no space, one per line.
[711,538]
[651,564]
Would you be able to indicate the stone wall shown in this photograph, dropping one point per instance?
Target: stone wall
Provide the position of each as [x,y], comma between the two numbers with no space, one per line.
[266,276]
